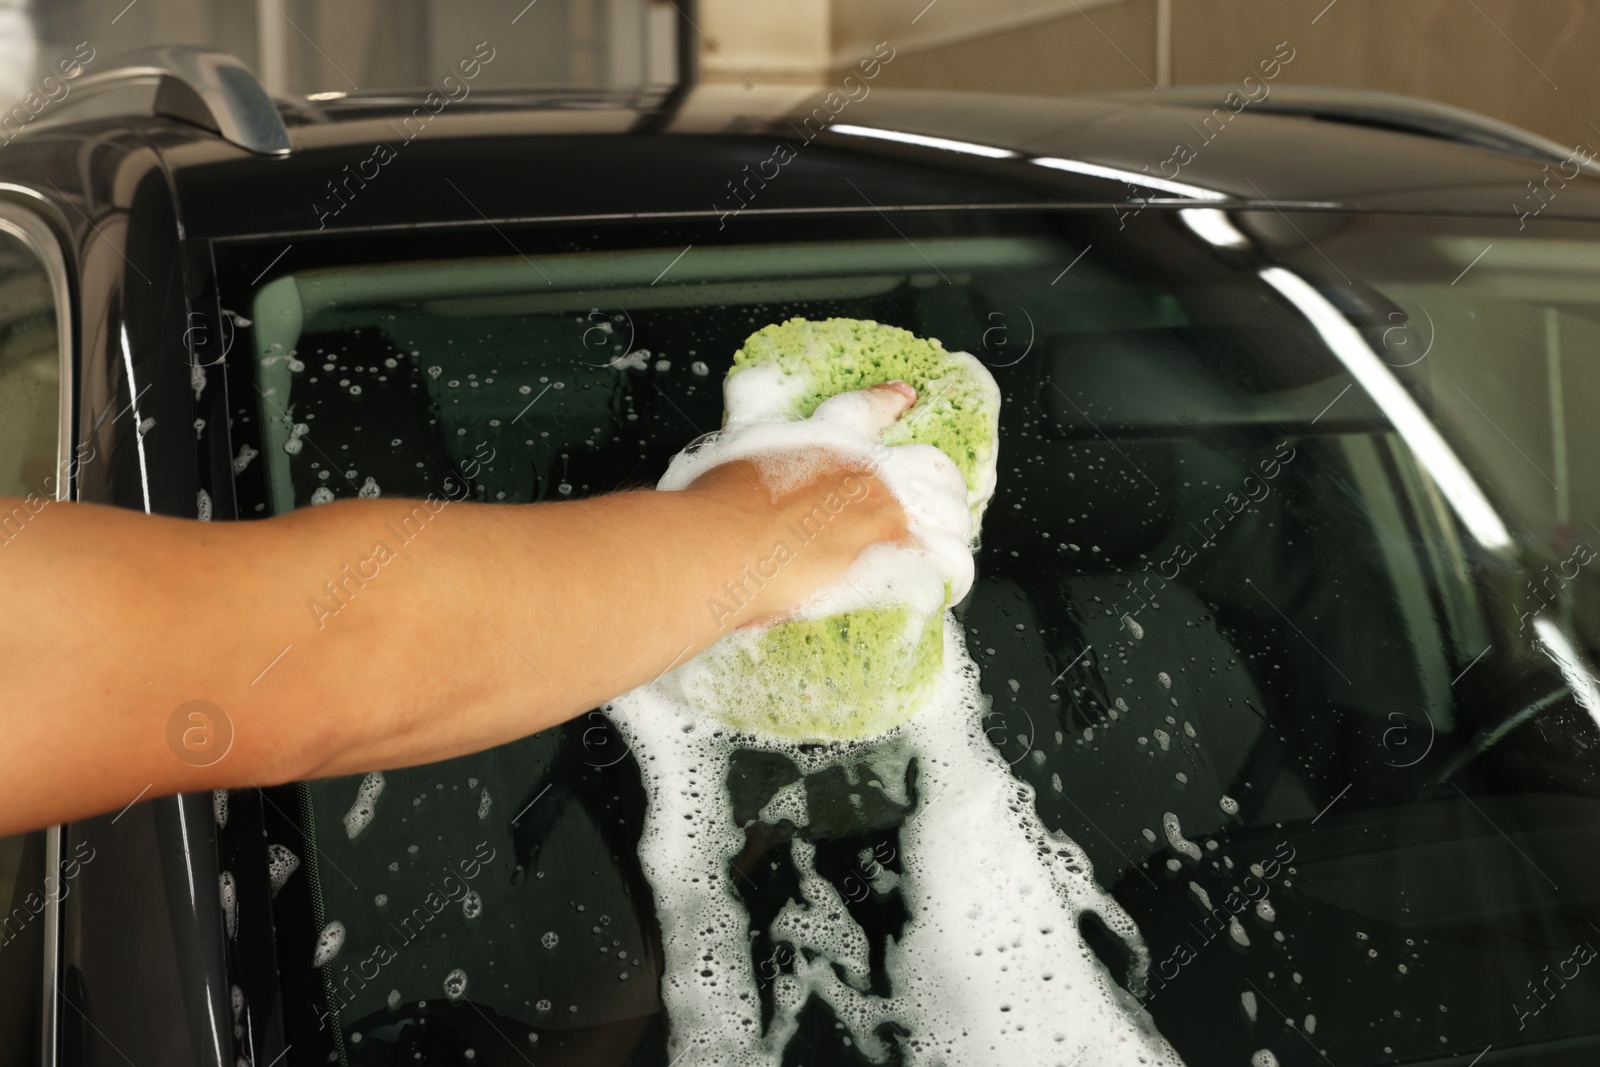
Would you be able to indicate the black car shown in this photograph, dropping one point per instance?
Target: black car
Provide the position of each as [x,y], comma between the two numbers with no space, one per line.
[1286,595]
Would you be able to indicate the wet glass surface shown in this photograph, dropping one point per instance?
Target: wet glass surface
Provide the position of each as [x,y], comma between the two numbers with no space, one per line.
[1306,683]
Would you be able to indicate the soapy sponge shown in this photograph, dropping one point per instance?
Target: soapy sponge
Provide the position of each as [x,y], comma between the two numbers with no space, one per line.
[958,403]
[863,671]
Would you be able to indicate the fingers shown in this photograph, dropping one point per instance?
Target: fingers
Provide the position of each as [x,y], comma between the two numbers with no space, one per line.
[903,388]
[868,411]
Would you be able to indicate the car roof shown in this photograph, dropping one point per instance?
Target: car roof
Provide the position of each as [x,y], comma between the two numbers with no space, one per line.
[411,161]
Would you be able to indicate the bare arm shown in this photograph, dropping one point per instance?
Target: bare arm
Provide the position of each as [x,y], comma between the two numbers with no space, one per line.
[372,633]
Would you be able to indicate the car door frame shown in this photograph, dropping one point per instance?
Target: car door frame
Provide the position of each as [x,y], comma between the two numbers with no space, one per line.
[23,215]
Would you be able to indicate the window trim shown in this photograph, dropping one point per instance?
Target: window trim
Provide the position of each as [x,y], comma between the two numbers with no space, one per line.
[34,232]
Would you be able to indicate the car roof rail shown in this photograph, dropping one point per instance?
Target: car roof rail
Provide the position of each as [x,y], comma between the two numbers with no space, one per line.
[203,86]
[1377,109]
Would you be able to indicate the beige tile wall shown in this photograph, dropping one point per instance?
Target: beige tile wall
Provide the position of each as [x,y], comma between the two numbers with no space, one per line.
[1531,62]
[1107,46]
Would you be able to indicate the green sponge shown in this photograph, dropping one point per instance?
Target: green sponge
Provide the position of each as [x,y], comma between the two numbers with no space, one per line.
[864,672]
[958,404]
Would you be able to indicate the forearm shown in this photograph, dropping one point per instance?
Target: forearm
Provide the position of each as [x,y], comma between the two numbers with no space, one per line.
[521,617]
[352,636]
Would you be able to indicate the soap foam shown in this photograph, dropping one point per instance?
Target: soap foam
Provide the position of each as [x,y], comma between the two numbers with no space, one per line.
[329,942]
[990,967]
[228,890]
[359,817]
[281,863]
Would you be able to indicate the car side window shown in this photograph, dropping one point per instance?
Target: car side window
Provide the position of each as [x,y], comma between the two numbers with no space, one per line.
[30,381]
[31,393]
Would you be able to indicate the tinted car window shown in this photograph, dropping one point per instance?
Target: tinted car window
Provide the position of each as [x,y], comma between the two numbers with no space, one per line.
[1284,612]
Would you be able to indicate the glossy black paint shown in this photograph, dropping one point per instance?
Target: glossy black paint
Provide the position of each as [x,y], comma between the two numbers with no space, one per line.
[141,202]
[572,156]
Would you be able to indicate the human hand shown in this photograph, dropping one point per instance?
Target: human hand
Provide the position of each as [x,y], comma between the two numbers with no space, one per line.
[814,505]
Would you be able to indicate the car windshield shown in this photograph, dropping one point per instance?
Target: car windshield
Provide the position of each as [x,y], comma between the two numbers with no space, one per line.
[1284,616]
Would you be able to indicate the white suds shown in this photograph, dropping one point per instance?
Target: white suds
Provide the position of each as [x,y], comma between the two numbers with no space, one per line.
[366,803]
[455,984]
[1175,838]
[329,942]
[986,970]
[281,863]
[229,892]
[961,1004]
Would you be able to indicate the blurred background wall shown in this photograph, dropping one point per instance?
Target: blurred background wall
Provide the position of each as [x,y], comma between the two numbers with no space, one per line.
[1530,62]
